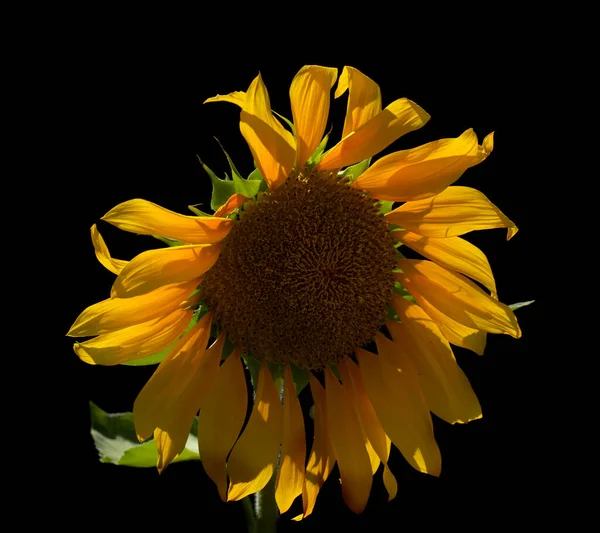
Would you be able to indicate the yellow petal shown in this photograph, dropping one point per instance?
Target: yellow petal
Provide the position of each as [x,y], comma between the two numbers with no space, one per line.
[309,96]
[322,456]
[154,268]
[364,99]
[272,146]
[390,483]
[253,458]
[349,445]
[290,476]
[235,200]
[221,419]
[452,253]
[421,172]
[455,211]
[391,384]
[457,297]
[146,218]
[174,393]
[447,390]
[236,97]
[103,255]
[383,129]
[134,342]
[118,313]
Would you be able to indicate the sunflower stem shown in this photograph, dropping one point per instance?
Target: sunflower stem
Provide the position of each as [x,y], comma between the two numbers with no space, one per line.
[265,509]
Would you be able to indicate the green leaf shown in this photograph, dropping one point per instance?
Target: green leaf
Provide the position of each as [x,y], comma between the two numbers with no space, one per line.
[354,171]
[520,304]
[116,442]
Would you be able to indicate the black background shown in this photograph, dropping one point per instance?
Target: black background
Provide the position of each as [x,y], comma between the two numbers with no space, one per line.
[136,124]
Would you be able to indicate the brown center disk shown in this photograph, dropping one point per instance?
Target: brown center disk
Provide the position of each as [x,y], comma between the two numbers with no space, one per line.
[305,276]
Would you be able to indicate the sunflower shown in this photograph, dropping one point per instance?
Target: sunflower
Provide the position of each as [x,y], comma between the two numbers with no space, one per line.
[302,278]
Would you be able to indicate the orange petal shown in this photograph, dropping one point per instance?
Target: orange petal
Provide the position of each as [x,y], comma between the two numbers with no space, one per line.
[174,393]
[253,458]
[146,218]
[221,419]
[154,268]
[118,313]
[452,253]
[237,97]
[364,99]
[134,342]
[322,456]
[235,200]
[447,390]
[383,129]
[423,171]
[349,445]
[290,476]
[272,146]
[309,96]
[455,211]
[457,297]
[391,384]
[103,255]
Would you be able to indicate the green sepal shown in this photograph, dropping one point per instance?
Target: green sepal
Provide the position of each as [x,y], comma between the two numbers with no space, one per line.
[116,442]
[300,376]
[197,211]
[253,366]
[157,357]
[521,304]
[287,121]
[170,242]
[317,155]
[256,175]
[385,206]
[354,171]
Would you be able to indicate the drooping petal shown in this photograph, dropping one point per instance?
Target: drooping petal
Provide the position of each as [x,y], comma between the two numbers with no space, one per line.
[364,98]
[272,146]
[309,96]
[103,255]
[146,218]
[134,342]
[154,268]
[253,458]
[395,120]
[174,394]
[290,476]
[349,445]
[221,419]
[447,390]
[452,253]
[322,456]
[457,297]
[391,384]
[423,171]
[455,211]
[236,97]
[118,313]
[235,200]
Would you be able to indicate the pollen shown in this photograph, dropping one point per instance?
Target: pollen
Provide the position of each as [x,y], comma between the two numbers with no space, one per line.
[305,276]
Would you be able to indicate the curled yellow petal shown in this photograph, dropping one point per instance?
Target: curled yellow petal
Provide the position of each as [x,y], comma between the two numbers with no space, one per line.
[103,255]
[452,253]
[447,390]
[364,99]
[118,313]
[395,120]
[237,97]
[154,268]
[272,146]
[349,445]
[221,419]
[254,456]
[290,476]
[146,218]
[309,96]
[134,342]
[455,211]
[457,297]
[423,171]
[235,200]
[173,395]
